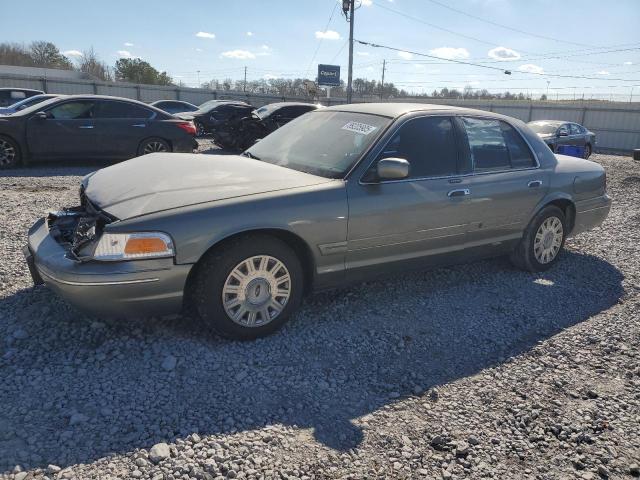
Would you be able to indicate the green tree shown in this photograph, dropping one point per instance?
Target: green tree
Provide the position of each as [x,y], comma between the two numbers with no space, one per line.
[136,70]
[46,55]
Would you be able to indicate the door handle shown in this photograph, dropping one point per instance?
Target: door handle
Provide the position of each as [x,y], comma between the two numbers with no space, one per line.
[85,126]
[459,193]
[139,125]
[534,183]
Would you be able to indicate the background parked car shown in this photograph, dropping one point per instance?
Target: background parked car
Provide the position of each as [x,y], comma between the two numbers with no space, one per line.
[174,106]
[27,102]
[275,115]
[231,124]
[557,134]
[9,96]
[90,126]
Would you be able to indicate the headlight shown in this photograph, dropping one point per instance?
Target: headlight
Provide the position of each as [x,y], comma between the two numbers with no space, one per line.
[132,246]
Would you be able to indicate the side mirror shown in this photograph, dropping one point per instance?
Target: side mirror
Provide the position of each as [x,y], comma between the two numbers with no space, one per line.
[392,168]
[41,115]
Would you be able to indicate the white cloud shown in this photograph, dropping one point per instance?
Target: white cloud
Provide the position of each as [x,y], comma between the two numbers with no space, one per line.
[328,35]
[269,76]
[405,55]
[72,53]
[205,35]
[124,53]
[128,44]
[239,54]
[249,34]
[265,50]
[531,68]
[450,53]
[603,72]
[363,54]
[367,3]
[503,53]
[199,50]
[628,63]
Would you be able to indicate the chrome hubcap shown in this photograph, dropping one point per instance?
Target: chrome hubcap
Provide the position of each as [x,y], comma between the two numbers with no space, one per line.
[152,147]
[256,291]
[7,153]
[548,240]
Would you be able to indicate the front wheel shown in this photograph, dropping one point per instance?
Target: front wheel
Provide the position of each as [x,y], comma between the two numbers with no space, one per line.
[542,241]
[587,151]
[248,288]
[9,153]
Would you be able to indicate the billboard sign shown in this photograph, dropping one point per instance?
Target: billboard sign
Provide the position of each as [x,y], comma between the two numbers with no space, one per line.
[329,75]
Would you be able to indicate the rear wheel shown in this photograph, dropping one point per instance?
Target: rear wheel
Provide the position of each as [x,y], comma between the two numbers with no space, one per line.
[542,241]
[248,288]
[200,130]
[9,153]
[153,145]
[587,151]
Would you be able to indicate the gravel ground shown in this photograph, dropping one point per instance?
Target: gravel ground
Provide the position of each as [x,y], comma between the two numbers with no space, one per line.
[474,371]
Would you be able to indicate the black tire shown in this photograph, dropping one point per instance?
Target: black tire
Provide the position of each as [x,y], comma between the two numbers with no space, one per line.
[524,256]
[153,145]
[10,155]
[215,268]
[587,151]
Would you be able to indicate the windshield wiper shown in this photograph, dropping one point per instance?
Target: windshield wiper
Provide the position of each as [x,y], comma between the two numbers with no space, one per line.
[250,155]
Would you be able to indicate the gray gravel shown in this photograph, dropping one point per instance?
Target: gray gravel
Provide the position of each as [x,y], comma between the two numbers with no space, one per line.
[474,371]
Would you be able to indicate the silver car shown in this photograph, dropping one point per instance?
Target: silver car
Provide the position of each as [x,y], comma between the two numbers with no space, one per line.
[335,196]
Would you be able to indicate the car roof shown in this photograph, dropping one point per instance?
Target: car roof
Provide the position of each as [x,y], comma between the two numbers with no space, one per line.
[551,122]
[394,110]
[19,89]
[289,104]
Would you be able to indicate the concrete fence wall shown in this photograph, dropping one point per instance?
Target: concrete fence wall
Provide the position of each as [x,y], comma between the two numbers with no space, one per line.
[616,125]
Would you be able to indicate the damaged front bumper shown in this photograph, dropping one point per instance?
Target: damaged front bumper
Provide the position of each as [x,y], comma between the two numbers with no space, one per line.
[128,288]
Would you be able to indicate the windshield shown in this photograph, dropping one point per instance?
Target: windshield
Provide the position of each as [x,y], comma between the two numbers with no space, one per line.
[321,143]
[544,128]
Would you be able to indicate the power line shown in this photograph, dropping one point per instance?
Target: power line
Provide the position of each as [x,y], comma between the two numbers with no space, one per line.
[480,65]
[462,12]
[333,11]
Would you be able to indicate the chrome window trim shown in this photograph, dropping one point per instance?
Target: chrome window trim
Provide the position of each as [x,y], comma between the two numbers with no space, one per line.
[462,175]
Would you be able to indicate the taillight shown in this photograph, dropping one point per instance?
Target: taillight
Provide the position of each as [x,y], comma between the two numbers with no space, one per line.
[188,127]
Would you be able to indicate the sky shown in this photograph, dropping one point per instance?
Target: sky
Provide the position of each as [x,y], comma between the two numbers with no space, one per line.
[539,41]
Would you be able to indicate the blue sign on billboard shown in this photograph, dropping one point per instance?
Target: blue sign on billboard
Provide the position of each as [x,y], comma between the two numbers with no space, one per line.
[329,75]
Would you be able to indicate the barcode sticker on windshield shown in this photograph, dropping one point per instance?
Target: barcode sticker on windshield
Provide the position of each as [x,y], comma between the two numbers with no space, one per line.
[358,127]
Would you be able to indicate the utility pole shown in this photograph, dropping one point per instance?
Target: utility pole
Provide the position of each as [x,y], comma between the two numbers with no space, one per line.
[631,94]
[244,86]
[384,66]
[349,6]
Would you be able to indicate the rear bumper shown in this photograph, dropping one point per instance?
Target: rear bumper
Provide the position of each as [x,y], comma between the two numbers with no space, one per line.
[185,145]
[120,289]
[591,213]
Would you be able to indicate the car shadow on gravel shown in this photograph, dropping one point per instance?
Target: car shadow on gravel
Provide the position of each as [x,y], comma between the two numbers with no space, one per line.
[75,389]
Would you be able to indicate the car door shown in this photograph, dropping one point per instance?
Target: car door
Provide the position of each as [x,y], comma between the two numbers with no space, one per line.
[577,136]
[394,221]
[68,131]
[507,183]
[123,126]
[563,135]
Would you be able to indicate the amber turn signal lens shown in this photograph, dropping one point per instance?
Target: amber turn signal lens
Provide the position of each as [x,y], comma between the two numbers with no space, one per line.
[137,246]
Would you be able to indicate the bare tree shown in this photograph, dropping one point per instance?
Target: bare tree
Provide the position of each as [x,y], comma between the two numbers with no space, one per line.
[90,64]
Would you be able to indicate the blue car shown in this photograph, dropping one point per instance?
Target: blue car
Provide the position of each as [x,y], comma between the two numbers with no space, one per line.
[27,102]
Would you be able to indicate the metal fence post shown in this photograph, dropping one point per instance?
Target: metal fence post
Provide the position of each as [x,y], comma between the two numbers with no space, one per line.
[138,96]
[95,88]
[177,94]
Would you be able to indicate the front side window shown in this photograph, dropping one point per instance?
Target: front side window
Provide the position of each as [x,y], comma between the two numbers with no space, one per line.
[496,145]
[72,111]
[321,143]
[563,130]
[428,144]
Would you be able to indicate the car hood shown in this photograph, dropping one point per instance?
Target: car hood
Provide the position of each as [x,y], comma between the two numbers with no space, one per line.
[164,181]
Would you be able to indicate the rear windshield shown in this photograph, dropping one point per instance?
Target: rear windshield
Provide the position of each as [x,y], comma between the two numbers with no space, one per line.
[321,143]
[543,127]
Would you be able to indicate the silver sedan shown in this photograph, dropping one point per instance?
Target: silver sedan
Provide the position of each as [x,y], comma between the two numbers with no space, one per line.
[338,195]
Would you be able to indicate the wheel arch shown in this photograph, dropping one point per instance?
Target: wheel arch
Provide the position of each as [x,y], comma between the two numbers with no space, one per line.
[565,203]
[297,244]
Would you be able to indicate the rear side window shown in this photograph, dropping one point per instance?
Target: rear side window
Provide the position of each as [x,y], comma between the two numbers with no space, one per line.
[73,111]
[121,110]
[496,145]
[428,144]
[575,129]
